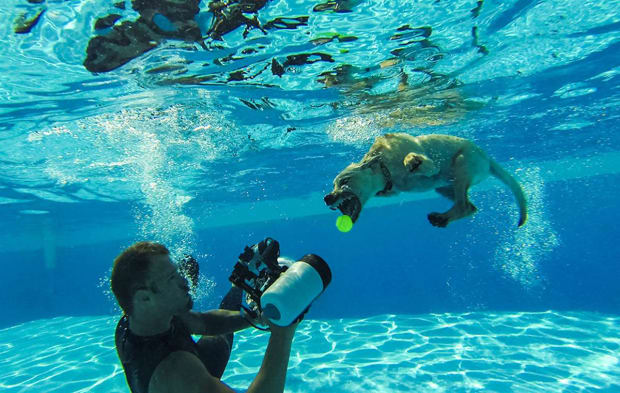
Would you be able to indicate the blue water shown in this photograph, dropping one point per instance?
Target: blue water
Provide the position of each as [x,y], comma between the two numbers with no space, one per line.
[207,149]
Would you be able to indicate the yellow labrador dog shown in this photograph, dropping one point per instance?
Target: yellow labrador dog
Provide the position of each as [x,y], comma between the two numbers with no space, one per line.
[401,162]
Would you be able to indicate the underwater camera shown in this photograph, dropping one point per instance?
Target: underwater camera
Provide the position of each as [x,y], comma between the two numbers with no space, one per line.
[282,291]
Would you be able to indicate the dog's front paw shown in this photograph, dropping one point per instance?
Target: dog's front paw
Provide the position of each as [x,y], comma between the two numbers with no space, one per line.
[438,220]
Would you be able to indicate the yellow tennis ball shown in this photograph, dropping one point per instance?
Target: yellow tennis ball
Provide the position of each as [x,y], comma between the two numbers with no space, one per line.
[344,223]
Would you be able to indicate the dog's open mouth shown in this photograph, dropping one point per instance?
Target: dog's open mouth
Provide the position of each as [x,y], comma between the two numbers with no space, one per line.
[347,202]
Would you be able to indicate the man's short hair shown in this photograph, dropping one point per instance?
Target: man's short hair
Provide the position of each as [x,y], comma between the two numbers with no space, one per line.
[130,269]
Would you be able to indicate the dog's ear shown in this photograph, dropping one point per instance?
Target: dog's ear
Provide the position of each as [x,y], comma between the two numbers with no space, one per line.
[370,161]
[420,164]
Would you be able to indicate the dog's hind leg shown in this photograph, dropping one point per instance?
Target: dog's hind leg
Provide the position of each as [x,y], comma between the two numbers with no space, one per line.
[458,193]
[447,191]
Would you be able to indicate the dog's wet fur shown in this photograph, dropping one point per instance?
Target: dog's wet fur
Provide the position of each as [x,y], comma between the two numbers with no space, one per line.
[401,162]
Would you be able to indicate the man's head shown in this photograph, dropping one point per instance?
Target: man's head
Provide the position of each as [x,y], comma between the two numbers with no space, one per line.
[143,275]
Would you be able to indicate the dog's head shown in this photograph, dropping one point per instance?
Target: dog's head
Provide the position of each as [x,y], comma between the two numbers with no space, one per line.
[353,187]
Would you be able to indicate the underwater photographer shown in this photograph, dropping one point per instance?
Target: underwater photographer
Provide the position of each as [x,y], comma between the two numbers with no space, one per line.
[153,337]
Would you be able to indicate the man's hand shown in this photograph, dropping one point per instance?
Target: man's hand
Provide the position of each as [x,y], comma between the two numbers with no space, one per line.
[258,321]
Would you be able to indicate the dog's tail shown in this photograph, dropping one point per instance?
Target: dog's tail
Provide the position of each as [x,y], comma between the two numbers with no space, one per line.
[507,179]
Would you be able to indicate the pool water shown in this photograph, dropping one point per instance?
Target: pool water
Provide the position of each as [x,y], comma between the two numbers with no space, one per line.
[480,351]
[213,138]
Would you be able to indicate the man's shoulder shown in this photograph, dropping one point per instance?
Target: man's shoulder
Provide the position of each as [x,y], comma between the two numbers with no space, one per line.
[120,333]
[122,322]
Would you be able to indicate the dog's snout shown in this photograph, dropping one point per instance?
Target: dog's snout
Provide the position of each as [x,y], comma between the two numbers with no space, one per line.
[329,199]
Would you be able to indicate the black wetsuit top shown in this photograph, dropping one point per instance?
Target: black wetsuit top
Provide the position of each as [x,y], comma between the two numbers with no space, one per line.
[141,355]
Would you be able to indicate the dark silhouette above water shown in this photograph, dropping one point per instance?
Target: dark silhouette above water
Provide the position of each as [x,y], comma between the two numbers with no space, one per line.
[161,20]
[28,19]
[132,38]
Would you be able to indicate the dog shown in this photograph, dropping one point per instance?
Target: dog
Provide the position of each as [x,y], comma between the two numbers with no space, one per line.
[400,162]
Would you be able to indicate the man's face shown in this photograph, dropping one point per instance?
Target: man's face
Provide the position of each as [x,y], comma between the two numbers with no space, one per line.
[170,289]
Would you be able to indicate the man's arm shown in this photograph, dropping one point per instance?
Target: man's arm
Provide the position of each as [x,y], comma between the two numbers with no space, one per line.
[183,372]
[214,322]
[272,374]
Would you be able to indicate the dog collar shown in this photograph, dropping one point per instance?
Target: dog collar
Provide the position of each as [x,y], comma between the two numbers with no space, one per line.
[388,179]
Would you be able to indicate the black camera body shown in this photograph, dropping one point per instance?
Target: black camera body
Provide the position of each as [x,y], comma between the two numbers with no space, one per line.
[281,293]
[256,270]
